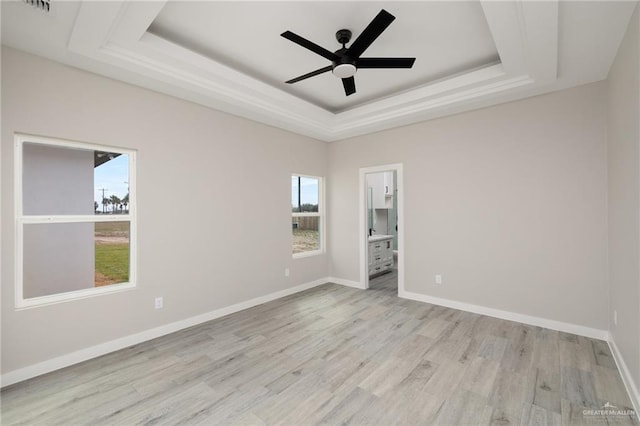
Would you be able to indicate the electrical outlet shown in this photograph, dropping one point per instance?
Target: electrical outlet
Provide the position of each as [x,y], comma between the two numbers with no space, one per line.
[438,279]
[615,317]
[159,303]
[286,272]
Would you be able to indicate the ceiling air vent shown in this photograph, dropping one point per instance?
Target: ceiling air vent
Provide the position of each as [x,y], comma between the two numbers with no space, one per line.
[41,5]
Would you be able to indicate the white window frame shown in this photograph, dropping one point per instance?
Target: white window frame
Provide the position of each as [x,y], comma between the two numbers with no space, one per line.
[21,220]
[320,214]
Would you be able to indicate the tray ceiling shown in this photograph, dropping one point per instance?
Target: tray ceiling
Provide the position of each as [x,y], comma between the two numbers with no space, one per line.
[230,56]
[422,30]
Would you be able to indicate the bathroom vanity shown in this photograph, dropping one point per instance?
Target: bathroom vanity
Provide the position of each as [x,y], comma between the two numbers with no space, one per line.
[380,254]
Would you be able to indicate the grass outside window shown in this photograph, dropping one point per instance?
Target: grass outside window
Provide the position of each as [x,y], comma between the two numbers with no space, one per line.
[112,253]
[305,240]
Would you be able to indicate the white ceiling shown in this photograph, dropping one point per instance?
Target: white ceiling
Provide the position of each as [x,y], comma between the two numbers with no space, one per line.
[230,56]
[421,30]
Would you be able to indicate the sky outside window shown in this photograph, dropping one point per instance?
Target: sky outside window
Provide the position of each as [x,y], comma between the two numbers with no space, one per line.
[113,176]
[308,191]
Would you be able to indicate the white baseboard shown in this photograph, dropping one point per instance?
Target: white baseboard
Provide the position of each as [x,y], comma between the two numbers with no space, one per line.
[629,383]
[510,316]
[66,360]
[348,283]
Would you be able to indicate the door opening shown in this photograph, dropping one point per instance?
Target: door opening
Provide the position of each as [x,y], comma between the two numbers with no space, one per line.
[381,227]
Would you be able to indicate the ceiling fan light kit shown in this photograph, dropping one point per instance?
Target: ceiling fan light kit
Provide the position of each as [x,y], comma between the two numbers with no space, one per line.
[345,62]
[344,70]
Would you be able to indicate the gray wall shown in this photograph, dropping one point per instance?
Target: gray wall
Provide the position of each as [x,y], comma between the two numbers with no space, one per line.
[508,203]
[203,176]
[624,197]
[57,257]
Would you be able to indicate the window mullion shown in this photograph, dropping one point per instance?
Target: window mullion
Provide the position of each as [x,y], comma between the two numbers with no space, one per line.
[310,214]
[74,218]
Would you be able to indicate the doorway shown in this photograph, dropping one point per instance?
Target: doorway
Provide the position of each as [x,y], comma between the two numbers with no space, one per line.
[382,226]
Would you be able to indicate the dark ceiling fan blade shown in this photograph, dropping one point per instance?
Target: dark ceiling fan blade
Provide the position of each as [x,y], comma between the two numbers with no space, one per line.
[311,74]
[349,85]
[310,45]
[385,62]
[368,36]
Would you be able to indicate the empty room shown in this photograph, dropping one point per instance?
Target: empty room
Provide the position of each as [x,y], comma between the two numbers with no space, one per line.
[320,212]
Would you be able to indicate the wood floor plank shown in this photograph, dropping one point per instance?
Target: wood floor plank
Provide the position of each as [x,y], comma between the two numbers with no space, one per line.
[511,392]
[433,328]
[493,347]
[480,376]
[162,407]
[355,401]
[248,419]
[574,415]
[547,390]
[465,408]
[391,373]
[609,387]
[336,355]
[278,406]
[545,351]
[448,349]
[602,354]
[307,410]
[446,378]
[572,355]
[538,416]
[518,354]
[577,387]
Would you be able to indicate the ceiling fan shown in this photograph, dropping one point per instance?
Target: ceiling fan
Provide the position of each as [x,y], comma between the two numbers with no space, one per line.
[346,61]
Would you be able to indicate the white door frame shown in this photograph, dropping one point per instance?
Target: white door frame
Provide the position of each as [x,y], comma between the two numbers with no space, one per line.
[364,228]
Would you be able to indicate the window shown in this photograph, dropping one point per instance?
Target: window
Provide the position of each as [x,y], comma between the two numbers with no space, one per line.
[75,220]
[307,217]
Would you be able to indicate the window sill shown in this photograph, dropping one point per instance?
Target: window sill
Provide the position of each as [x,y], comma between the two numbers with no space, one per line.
[308,254]
[72,295]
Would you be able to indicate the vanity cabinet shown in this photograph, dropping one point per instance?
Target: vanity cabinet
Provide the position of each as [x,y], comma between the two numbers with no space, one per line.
[380,254]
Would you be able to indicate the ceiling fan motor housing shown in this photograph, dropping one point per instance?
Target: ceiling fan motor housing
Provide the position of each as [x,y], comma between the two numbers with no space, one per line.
[343,57]
[343,36]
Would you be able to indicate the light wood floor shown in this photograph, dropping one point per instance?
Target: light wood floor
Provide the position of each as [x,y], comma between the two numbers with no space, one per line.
[336,355]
